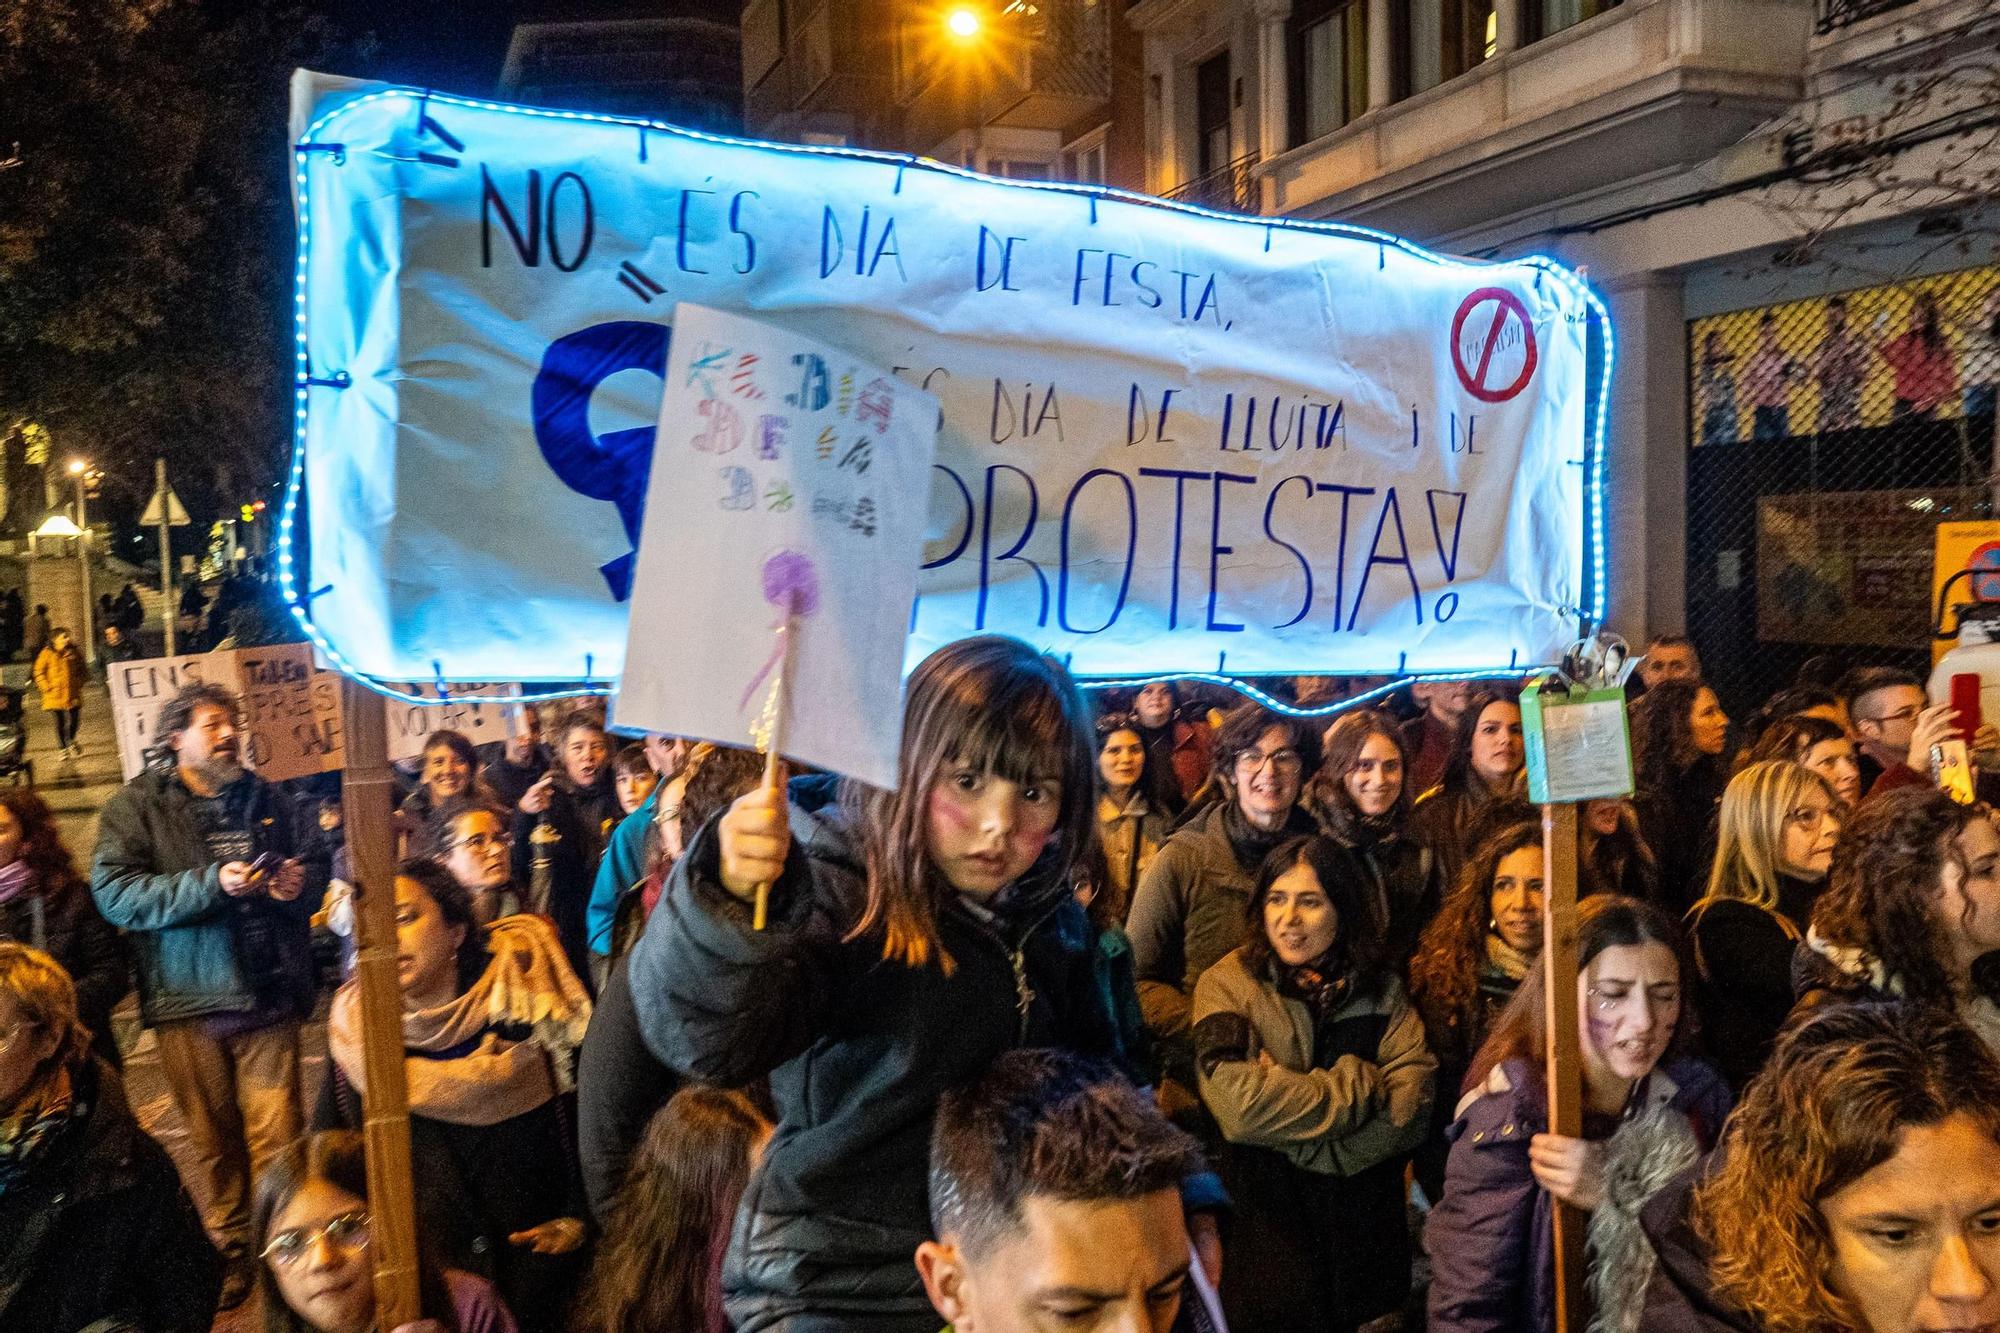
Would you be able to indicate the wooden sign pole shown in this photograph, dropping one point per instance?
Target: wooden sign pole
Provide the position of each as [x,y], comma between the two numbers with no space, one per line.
[1565,1055]
[367,796]
[774,748]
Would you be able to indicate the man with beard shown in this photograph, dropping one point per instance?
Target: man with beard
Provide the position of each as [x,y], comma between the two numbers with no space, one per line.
[197,860]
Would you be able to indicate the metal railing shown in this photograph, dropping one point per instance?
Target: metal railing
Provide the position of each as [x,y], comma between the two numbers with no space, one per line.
[1832,14]
[1231,187]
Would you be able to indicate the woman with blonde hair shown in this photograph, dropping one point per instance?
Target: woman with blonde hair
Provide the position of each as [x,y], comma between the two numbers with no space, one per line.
[1779,823]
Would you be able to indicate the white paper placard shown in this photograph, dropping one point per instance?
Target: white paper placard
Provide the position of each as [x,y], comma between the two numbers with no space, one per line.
[753,497]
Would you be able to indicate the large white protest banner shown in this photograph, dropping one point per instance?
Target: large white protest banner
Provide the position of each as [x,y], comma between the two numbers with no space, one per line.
[290,712]
[1169,439]
[818,531]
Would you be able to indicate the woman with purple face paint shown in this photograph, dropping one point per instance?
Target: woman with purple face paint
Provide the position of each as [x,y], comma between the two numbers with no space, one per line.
[1649,1111]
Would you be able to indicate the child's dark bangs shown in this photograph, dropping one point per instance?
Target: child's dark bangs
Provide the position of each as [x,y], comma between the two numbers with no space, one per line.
[1022,736]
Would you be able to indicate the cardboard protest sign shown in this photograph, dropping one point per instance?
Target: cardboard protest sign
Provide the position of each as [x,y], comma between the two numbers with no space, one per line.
[291,712]
[410,724]
[1170,440]
[812,516]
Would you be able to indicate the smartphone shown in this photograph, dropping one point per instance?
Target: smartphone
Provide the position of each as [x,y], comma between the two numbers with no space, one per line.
[1951,769]
[264,864]
[1965,702]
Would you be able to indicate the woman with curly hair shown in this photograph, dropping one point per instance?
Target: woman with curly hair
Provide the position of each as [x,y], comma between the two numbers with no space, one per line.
[1680,743]
[1911,910]
[1857,1187]
[1361,799]
[1470,961]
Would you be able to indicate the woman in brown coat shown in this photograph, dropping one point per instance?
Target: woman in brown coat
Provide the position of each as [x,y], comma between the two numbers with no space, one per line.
[59,674]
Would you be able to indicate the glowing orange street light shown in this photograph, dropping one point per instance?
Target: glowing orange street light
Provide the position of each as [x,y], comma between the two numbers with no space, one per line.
[963,23]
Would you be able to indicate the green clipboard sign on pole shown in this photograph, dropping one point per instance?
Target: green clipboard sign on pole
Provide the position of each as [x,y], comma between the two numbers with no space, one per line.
[1579,746]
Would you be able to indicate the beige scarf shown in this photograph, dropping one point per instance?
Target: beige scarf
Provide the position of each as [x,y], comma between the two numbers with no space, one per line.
[528,984]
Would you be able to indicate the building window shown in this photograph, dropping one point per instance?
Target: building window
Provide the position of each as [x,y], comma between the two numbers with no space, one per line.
[1328,66]
[1211,115]
[1552,16]
[1438,40]
[1017,169]
[1084,160]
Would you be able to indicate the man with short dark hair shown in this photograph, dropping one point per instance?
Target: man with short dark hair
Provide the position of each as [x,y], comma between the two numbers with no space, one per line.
[198,861]
[1893,729]
[1669,657]
[1055,1199]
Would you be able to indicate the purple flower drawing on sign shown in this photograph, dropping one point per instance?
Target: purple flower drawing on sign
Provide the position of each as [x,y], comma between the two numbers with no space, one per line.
[791,584]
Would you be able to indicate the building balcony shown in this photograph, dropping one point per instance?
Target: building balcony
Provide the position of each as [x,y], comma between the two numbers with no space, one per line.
[1832,15]
[1646,87]
[1230,188]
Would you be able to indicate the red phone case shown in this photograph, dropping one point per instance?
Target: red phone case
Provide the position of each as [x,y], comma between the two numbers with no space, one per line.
[1965,687]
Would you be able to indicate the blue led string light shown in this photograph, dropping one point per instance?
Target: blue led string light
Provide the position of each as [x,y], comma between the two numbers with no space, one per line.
[1277,705]
[1594,598]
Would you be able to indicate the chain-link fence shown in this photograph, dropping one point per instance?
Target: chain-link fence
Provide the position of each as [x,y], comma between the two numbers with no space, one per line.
[1830,437]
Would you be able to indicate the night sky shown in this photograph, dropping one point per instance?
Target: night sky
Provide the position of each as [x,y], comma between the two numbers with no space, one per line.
[457,46]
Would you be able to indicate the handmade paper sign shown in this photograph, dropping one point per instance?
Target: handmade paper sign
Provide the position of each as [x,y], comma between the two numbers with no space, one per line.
[1579,748]
[1171,440]
[411,724]
[767,516]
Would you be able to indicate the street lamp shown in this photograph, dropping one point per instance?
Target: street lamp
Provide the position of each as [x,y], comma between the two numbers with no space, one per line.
[963,22]
[81,470]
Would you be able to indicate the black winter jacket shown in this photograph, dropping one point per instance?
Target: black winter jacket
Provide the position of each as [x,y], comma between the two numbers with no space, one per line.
[1404,876]
[620,1087]
[858,1051]
[64,923]
[102,1231]
[478,1184]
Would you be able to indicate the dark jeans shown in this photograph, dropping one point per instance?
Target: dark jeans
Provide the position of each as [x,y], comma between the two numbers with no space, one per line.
[66,720]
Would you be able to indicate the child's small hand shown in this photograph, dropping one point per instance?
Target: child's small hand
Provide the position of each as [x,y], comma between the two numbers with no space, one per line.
[756,835]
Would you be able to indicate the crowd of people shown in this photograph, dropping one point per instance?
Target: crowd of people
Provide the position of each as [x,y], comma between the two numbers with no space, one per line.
[1124,1010]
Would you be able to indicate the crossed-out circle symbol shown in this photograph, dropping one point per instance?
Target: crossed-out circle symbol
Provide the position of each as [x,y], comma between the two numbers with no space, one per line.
[1474,377]
[1986,587]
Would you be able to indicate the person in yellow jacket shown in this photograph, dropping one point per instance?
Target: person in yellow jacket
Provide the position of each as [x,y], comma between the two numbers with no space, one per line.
[59,675]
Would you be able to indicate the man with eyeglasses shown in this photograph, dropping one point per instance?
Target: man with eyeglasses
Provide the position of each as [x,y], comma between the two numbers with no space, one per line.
[200,862]
[1895,730]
